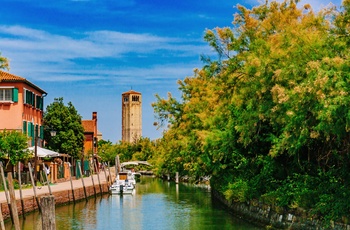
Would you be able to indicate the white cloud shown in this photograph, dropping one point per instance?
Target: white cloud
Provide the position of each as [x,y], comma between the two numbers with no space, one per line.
[40,53]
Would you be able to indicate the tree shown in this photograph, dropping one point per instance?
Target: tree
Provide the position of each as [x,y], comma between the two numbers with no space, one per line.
[270,119]
[66,121]
[13,146]
[4,63]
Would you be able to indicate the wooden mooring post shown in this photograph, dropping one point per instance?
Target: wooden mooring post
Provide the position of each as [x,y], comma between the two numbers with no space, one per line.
[5,188]
[110,175]
[93,183]
[47,179]
[98,175]
[48,213]
[34,186]
[13,202]
[20,190]
[2,224]
[82,181]
[71,182]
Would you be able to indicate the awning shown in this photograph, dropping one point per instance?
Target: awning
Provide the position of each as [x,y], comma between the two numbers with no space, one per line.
[41,152]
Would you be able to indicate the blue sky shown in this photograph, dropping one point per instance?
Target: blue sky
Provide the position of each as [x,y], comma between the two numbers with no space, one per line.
[91,51]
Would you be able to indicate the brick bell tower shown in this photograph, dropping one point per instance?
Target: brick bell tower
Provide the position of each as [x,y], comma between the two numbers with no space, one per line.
[131,116]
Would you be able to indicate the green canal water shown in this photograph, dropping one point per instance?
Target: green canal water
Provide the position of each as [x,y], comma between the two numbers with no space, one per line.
[156,205]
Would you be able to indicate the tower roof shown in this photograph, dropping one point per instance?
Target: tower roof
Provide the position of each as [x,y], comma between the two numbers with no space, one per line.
[131,92]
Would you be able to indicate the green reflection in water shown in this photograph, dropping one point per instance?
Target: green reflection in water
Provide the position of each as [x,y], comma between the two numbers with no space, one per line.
[156,204]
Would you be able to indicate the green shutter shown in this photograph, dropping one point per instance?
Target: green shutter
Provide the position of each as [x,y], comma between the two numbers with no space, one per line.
[28,97]
[32,134]
[15,95]
[36,131]
[24,127]
[33,99]
[42,132]
[37,104]
[42,103]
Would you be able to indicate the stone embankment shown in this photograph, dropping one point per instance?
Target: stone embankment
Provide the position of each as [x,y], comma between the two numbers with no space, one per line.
[61,191]
[275,217]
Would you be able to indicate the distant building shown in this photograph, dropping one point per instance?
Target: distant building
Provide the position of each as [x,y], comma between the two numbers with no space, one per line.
[21,106]
[131,116]
[90,134]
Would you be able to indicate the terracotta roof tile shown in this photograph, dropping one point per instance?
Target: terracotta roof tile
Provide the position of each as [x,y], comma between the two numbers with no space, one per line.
[8,77]
[4,76]
[131,92]
[88,126]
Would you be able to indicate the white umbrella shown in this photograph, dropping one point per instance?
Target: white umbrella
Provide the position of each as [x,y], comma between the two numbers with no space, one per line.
[41,152]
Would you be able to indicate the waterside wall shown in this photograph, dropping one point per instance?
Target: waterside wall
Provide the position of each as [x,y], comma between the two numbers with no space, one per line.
[61,197]
[276,217]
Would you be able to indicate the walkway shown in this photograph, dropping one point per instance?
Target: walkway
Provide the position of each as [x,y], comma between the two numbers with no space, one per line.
[62,186]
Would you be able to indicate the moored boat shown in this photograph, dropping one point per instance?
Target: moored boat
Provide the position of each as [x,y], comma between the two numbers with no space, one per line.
[123,184]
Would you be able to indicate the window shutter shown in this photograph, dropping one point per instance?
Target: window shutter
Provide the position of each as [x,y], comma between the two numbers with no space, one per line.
[37,104]
[24,127]
[15,94]
[33,99]
[42,132]
[32,134]
[36,131]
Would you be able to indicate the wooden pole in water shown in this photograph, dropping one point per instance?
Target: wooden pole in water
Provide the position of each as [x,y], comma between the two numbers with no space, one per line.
[98,176]
[71,182]
[82,180]
[104,170]
[93,183]
[13,202]
[6,191]
[34,187]
[48,214]
[47,180]
[110,175]
[20,189]
[2,224]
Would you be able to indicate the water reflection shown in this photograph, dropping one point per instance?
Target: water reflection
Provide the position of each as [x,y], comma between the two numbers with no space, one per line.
[156,204]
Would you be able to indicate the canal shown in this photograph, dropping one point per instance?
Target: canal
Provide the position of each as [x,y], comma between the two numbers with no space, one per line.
[156,204]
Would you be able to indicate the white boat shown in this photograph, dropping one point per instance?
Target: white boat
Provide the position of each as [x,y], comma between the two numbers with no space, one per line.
[123,184]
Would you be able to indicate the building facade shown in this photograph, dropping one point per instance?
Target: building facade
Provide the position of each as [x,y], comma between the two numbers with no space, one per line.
[131,116]
[90,134]
[21,106]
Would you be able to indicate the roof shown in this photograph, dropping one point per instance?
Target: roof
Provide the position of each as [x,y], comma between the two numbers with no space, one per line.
[131,92]
[88,125]
[8,77]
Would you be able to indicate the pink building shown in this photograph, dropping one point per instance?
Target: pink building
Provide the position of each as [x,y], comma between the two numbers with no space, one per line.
[21,106]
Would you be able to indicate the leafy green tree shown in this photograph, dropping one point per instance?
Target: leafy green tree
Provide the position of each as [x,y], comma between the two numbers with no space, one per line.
[4,63]
[66,121]
[13,146]
[270,118]
[106,151]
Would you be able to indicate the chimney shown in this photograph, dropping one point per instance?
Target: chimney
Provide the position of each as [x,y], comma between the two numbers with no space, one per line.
[94,115]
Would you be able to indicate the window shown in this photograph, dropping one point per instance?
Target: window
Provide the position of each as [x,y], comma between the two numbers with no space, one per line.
[9,94]
[126,99]
[135,98]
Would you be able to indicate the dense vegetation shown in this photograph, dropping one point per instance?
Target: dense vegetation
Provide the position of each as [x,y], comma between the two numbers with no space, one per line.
[66,121]
[270,118]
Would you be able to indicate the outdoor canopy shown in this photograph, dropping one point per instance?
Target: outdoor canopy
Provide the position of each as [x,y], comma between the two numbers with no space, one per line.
[41,152]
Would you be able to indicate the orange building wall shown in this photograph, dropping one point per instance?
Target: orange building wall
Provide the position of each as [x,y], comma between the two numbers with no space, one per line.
[12,115]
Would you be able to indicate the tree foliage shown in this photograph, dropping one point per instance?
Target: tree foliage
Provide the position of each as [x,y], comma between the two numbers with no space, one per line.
[13,146]
[4,63]
[66,121]
[269,119]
